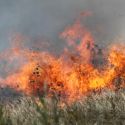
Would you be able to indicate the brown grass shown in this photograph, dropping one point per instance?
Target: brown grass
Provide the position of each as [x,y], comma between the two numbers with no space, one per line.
[104,108]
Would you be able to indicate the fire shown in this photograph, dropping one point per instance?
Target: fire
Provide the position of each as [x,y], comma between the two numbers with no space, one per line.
[71,75]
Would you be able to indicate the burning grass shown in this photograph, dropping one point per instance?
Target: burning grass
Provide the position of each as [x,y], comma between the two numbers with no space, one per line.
[82,66]
[83,85]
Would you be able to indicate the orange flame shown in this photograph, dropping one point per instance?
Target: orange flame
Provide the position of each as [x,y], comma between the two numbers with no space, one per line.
[71,75]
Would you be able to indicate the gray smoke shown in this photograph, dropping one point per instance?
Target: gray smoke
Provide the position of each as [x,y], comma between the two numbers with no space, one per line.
[47,18]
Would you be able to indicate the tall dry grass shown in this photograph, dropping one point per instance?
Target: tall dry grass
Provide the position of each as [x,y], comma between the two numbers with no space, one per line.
[103,108]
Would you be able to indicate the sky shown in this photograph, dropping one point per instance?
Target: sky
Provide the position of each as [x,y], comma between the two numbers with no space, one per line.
[48,18]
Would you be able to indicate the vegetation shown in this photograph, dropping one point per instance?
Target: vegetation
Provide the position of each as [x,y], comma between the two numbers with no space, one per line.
[103,108]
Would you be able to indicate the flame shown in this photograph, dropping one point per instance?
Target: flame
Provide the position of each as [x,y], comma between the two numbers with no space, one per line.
[71,75]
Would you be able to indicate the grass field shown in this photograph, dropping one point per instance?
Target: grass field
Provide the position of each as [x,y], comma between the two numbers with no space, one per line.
[103,108]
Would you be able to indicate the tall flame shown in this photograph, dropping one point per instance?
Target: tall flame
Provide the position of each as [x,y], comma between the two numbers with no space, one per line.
[72,74]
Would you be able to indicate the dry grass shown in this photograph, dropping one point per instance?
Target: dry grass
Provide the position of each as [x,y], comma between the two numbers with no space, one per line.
[104,108]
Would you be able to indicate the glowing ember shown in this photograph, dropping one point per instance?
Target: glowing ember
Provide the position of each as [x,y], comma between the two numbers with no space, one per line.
[71,75]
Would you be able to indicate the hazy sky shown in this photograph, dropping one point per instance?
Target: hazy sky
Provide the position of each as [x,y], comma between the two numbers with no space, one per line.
[49,17]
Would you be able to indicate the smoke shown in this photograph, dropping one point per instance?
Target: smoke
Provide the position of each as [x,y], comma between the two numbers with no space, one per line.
[40,23]
[47,18]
